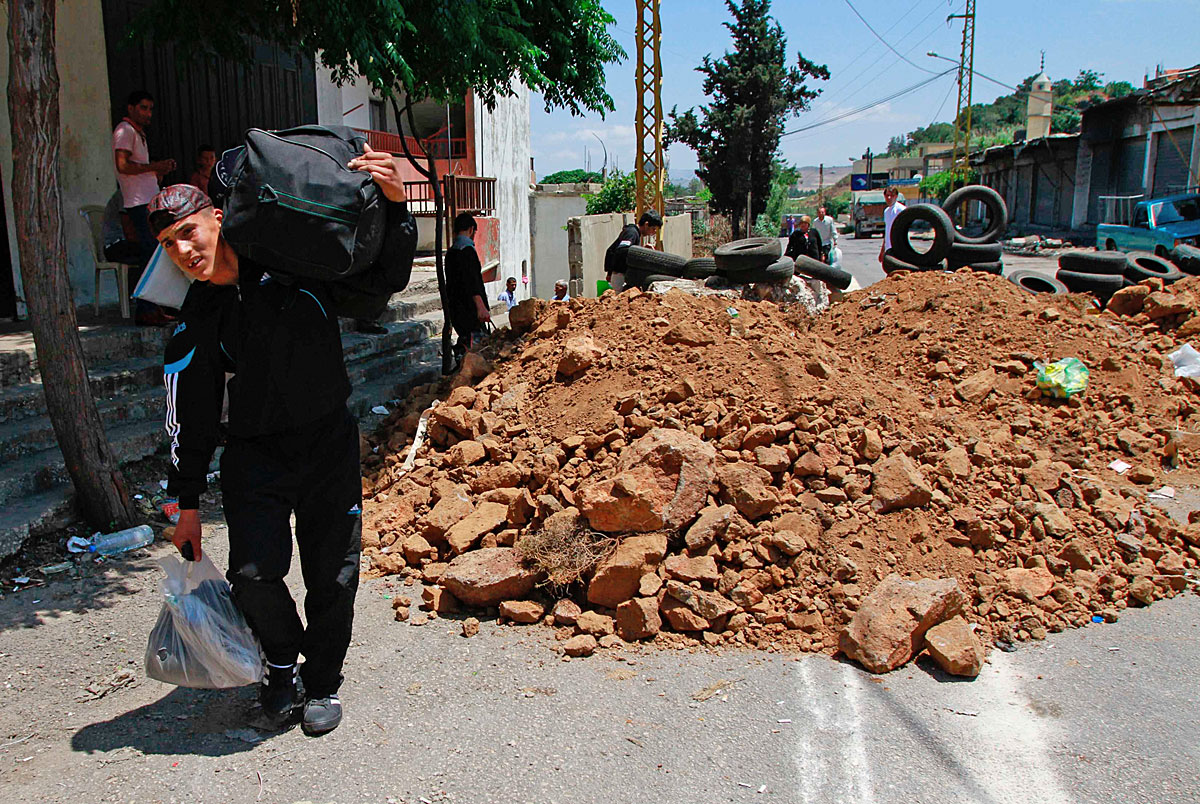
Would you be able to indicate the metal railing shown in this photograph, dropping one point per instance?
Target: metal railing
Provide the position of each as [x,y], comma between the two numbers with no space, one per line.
[387,141]
[442,148]
[474,194]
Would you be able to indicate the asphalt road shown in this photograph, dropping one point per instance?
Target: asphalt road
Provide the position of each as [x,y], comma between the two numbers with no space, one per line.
[1105,714]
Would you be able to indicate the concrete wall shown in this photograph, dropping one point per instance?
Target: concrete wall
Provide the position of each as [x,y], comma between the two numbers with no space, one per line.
[550,206]
[334,103]
[589,236]
[85,159]
[502,151]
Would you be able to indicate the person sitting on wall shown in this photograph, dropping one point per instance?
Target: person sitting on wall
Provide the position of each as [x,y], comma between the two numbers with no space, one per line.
[649,225]
[466,297]
[509,294]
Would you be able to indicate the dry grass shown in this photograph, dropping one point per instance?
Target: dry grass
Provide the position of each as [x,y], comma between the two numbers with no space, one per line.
[566,551]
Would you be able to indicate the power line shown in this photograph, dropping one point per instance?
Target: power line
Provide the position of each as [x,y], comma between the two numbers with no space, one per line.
[885,42]
[873,104]
[863,52]
[849,120]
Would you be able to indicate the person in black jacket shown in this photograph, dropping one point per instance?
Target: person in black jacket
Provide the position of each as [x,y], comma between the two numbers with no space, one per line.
[466,297]
[804,241]
[649,225]
[292,447]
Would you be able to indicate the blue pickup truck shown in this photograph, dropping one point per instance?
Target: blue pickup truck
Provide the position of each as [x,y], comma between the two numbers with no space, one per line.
[1157,226]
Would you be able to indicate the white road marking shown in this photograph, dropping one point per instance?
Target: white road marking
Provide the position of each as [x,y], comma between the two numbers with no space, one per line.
[831,758]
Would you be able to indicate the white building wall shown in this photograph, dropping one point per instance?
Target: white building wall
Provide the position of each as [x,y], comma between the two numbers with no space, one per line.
[342,106]
[86,167]
[502,151]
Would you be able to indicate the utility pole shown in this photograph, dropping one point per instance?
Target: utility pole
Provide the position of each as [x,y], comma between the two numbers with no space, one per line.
[870,172]
[821,184]
[648,127]
[966,73]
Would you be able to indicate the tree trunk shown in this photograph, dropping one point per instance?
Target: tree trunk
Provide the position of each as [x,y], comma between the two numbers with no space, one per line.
[37,207]
[439,205]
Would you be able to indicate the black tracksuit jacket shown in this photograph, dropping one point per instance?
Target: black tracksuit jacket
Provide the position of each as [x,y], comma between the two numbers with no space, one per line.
[279,338]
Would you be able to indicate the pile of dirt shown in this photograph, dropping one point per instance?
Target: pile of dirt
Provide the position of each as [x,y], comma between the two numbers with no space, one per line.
[754,476]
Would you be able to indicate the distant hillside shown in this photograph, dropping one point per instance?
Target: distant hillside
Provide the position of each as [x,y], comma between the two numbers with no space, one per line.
[994,123]
[810,176]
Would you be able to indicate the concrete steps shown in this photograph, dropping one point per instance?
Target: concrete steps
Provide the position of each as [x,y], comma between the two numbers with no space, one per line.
[125,373]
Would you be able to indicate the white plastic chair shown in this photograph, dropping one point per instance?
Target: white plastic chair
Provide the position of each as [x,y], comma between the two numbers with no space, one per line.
[93,215]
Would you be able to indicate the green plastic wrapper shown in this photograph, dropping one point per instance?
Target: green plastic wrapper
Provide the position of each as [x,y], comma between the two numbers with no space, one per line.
[1063,378]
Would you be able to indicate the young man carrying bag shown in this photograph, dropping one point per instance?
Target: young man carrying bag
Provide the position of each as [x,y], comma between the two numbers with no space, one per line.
[292,445]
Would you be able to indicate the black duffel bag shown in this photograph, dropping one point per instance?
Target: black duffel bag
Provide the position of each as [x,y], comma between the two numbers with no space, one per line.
[295,207]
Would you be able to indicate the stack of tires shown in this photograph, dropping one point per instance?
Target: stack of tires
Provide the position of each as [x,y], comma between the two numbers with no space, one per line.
[952,248]
[1103,273]
[760,259]
[645,265]
[1187,258]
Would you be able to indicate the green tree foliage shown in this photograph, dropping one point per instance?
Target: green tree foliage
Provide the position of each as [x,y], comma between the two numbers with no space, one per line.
[437,49]
[617,195]
[752,92]
[940,185]
[576,176]
[783,179]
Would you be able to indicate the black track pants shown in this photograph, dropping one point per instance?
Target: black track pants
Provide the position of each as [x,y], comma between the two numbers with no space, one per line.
[312,471]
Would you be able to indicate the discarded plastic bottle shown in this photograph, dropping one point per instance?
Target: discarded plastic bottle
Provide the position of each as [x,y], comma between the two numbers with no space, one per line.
[110,544]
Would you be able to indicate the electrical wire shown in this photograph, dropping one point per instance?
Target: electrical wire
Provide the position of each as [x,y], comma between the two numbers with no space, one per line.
[938,113]
[863,52]
[884,41]
[893,96]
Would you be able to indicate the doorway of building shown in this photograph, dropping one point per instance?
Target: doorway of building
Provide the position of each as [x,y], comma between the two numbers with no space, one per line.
[8,288]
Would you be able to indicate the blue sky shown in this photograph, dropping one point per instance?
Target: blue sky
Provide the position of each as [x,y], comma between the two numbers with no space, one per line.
[1124,39]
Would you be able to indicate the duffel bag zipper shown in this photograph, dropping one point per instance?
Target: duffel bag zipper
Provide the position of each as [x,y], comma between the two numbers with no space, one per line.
[269,195]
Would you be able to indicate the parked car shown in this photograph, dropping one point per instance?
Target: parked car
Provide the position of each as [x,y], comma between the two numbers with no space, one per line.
[1157,226]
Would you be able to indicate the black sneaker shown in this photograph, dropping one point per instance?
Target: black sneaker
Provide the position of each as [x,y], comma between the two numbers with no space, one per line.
[278,692]
[321,715]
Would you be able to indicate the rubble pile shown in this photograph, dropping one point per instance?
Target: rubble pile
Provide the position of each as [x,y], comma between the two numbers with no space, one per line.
[880,480]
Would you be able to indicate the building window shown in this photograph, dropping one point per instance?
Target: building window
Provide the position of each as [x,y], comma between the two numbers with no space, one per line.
[378,115]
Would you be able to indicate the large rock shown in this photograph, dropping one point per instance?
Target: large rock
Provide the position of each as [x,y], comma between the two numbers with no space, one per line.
[469,530]
[680,616]
[748,488]
[1027,584]
[889,627]
[579,353]
[616,579]
[660,482]
[955,647]
[638,619]
[1128,301]
[522,317]
[976,387]
[488,577]
[897,483]
[709,527]
[708,605]
[688,569]
[451,509]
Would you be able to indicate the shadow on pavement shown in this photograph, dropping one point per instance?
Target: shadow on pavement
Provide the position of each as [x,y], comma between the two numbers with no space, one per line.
[208,723]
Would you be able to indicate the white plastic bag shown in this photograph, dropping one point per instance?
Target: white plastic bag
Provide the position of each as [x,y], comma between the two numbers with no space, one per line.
[201,639]
[835,257]
[162,282]
[1186,361]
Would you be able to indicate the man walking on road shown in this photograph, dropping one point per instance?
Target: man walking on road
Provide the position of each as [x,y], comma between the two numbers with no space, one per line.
[893,208]
[826,229]
[292,445]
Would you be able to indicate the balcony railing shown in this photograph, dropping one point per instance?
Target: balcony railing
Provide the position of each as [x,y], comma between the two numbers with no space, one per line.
[392,143]
[475,194]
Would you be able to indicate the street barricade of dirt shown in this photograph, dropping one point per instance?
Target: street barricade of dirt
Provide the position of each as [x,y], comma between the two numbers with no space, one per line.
[881,480]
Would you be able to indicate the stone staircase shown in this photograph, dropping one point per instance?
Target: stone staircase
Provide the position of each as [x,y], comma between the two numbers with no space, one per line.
[125,369]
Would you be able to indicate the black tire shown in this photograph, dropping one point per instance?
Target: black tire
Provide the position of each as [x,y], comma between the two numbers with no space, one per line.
[1187,258]
[943,234]
[833,277]
[973,253]
[779,270]
[1102,286]
[748,254]
[700,268]
[1034,282]
[639,277]
[1142,265]
[990,199]
[996,268]
[1100,263]
[659,262]
[891,264]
